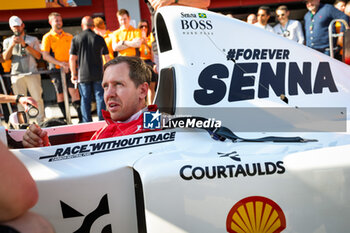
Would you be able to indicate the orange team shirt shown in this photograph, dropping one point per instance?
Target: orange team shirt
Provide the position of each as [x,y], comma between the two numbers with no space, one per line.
[146,52]
[108,40]
[126,35]
[7,66]
[59,44]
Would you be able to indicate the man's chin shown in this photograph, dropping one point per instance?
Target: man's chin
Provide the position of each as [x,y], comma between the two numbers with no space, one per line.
[313,8]
[115,115]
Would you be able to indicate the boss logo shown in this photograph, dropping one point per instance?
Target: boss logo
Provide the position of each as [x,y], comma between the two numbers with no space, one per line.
[196,24]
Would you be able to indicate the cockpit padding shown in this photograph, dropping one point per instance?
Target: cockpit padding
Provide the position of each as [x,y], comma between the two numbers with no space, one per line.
[163,38]
[165,99]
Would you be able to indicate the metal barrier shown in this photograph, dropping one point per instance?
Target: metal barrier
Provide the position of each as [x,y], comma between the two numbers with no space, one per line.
[332,35]
[64,86]
[65,96]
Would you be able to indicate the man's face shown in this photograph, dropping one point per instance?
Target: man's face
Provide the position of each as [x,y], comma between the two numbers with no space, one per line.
[56,22]
[312,5]
[262,17]
[122,97]
[340,6]
[251,19]
[124,20]
[347,10]
[18,29]
[282,16]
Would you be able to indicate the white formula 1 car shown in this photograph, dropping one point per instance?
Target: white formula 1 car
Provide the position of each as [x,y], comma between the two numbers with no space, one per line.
[288,168]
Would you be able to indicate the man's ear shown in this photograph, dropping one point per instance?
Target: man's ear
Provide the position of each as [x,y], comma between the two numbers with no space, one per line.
[143,90]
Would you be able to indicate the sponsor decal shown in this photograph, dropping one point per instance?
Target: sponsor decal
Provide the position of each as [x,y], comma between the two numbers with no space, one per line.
[71,152]
[193,15]
[190,172]
[188,15]
[256,214]
[202,15]
[87,222]
[190,122]
[258,54]
[283,78]
[232,155]
[155,120]
[193,24]
[151,120]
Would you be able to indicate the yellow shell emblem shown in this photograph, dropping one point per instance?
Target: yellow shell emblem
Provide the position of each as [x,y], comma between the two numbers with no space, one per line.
[255,215]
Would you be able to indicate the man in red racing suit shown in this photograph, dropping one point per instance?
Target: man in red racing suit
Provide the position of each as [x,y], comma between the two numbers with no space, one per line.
[114,129]
[125,84]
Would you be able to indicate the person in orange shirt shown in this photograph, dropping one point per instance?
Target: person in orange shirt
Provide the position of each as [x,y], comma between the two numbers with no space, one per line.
[58,42]
[146,54]
[7,66]
[126,40]
[146,42]
[100,29]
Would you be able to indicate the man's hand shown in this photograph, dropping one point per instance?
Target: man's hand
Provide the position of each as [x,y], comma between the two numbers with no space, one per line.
[24,101]
[18,40]
[74,78]
[15,40]
[122,44]
[21,41]
[65,66]
[35,137]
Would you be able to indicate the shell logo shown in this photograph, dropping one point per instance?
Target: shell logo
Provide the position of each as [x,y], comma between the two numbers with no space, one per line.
[255,214]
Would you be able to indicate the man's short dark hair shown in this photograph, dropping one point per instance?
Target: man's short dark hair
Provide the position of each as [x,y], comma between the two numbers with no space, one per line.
[139,72]
[266,9]
[123,12]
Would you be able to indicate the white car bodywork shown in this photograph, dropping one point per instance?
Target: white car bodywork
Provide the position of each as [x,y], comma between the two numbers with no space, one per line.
[181,180]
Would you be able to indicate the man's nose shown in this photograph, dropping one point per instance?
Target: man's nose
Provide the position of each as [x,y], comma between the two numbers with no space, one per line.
[110,92]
